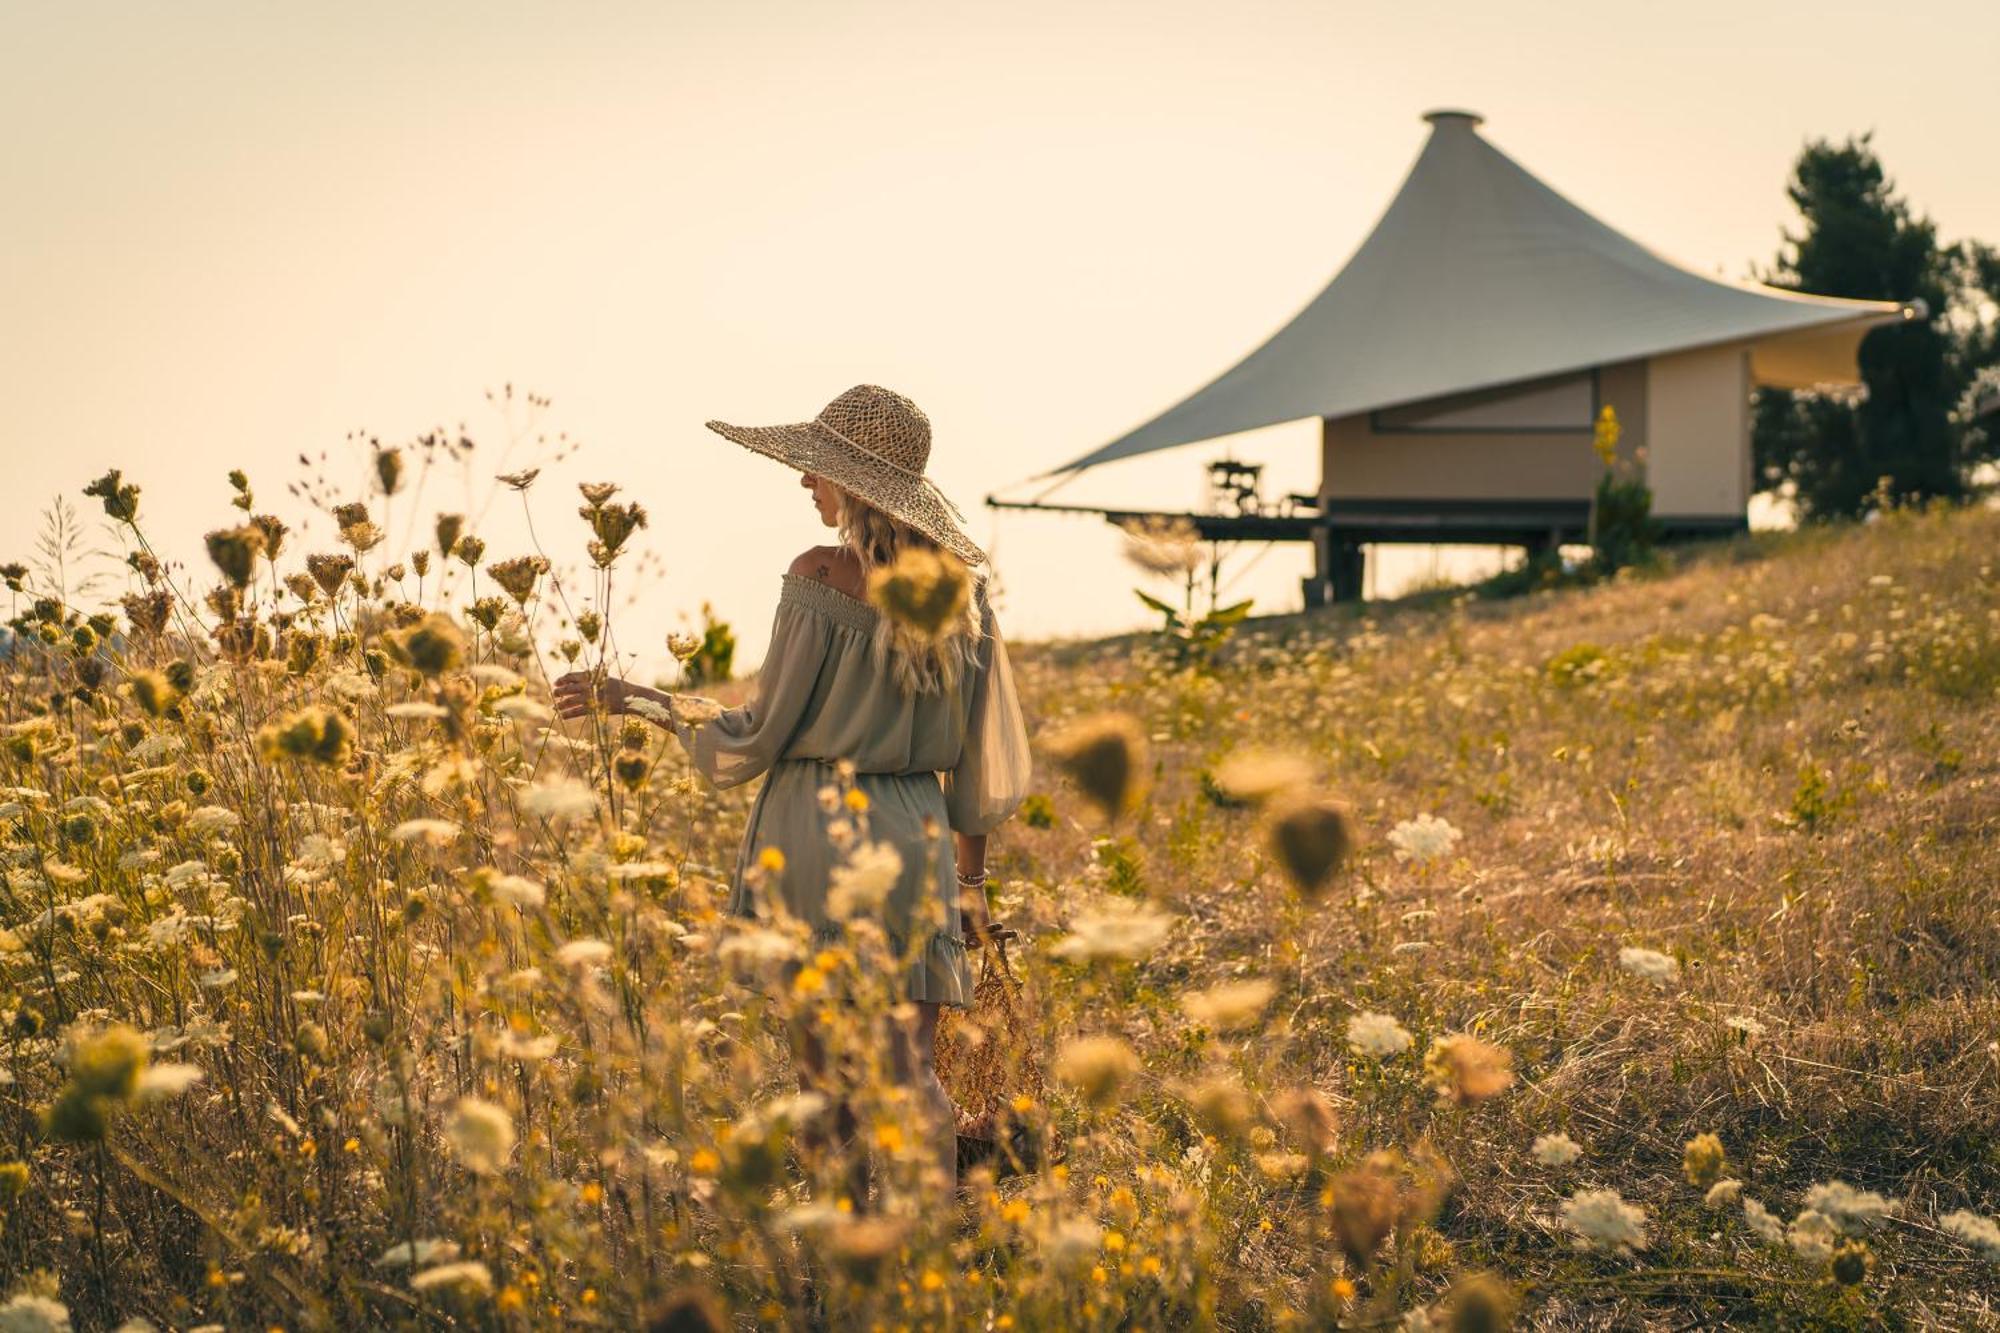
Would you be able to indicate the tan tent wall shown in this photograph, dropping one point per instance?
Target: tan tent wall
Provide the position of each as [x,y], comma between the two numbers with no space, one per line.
[1698,432]
[1358,463]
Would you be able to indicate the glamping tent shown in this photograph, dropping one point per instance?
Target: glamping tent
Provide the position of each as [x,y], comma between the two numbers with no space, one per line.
[1459,361]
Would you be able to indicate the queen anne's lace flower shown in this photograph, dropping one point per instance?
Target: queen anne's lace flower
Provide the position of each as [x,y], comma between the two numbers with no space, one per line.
[1975,1230]
[1760,1220]
[560,798]
[1425,838]
[1556,1150]
[1115,928]
[481,1135]
[1377,1035]
[1602,1219]
[1649,964]
[1812,1235]
[1848,1208]
[861,883]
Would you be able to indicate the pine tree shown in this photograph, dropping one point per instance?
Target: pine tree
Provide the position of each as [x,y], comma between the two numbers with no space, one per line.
[1860,240]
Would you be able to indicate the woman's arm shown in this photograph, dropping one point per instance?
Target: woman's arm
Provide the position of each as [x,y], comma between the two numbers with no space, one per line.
[974,917]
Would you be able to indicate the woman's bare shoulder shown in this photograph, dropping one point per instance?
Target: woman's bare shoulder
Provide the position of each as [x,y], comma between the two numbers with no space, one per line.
[834,566]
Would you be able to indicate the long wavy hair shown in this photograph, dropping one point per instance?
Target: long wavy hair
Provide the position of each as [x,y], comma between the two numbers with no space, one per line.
[920,665]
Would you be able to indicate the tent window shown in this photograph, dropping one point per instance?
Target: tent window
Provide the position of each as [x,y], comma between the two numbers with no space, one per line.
[1540,407]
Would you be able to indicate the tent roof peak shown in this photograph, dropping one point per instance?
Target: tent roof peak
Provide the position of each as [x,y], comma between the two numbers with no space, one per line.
[1452,118]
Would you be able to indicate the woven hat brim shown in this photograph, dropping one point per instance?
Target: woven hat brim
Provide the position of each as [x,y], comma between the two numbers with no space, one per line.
[809,447]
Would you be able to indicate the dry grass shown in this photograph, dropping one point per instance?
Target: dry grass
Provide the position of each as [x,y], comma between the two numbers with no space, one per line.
[1777,764]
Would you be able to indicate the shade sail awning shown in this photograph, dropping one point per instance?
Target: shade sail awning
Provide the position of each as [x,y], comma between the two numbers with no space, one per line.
[1480,275]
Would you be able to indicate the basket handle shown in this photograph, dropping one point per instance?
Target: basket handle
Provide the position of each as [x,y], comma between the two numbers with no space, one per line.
[992,942]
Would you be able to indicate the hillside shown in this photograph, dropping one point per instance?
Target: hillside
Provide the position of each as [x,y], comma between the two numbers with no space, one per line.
[344,988]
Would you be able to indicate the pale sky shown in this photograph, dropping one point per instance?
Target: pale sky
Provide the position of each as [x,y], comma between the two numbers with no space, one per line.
[236,232]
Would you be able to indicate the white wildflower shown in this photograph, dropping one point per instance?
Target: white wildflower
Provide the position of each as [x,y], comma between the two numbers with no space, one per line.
[1114,928]
[559,799]
[517,891]
[1743,1023]
[424,1250]
[862,883]
[213,819]
[1556,1150]
[521,708]
[759,944]
[417,708]
[481,1135]
[1377,1035]
[1649,964]
[1425,838]
[1603,1219]
[1760,1220]
[583,953]
[1723,1193]
[351,686]
[467,1276]
[1073,1240]
[529,1049]
[1812,1236]
[652,710]
[491,673]
[33,1314]
[1848,1208]
[154,748]
[1975,1230]
[167,1080]
[629,870]
[435,832]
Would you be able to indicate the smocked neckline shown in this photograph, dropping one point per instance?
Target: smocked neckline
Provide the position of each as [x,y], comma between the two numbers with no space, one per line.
[835,602]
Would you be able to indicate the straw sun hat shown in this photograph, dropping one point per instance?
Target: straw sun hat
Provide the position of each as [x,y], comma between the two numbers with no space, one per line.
[873,443]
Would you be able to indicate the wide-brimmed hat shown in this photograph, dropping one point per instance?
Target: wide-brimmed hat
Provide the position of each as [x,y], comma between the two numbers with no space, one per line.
[873,443]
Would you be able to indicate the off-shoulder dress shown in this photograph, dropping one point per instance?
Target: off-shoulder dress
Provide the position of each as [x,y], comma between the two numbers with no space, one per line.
[930,765]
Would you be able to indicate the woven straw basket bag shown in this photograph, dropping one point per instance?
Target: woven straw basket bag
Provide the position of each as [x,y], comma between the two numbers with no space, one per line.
[986,1059]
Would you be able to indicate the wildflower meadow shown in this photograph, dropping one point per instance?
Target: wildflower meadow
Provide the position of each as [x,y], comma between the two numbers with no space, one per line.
[1617,956]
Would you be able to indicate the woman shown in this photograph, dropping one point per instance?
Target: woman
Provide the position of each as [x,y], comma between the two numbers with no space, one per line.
[931,725]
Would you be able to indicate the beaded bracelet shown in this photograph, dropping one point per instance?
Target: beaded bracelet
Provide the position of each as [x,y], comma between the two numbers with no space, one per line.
[972,881]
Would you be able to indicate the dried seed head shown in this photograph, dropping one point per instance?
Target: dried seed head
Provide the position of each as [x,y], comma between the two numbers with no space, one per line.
[1311,838]
[924,592]
[1255,774]
[1465,1069]
[1096,1067]
[1703,1160]
[1106,756]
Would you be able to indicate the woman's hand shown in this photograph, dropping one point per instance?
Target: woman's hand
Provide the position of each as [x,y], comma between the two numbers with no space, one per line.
[577,692]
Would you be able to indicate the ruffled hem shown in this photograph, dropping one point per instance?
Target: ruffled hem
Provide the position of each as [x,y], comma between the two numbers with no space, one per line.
[941,975]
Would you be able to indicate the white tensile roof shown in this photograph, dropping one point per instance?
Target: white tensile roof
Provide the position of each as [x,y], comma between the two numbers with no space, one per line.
[1480,275]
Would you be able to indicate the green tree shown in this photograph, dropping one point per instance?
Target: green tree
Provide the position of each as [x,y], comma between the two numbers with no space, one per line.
[1860,240]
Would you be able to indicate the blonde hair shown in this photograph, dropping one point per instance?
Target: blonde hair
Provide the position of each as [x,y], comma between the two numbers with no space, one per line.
[920,665]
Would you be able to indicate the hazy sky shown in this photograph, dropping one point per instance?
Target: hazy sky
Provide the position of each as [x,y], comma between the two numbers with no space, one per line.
[235,232]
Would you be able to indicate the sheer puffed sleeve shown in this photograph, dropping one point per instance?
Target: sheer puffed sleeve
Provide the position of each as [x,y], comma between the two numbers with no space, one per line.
[734,745]
[990,778]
